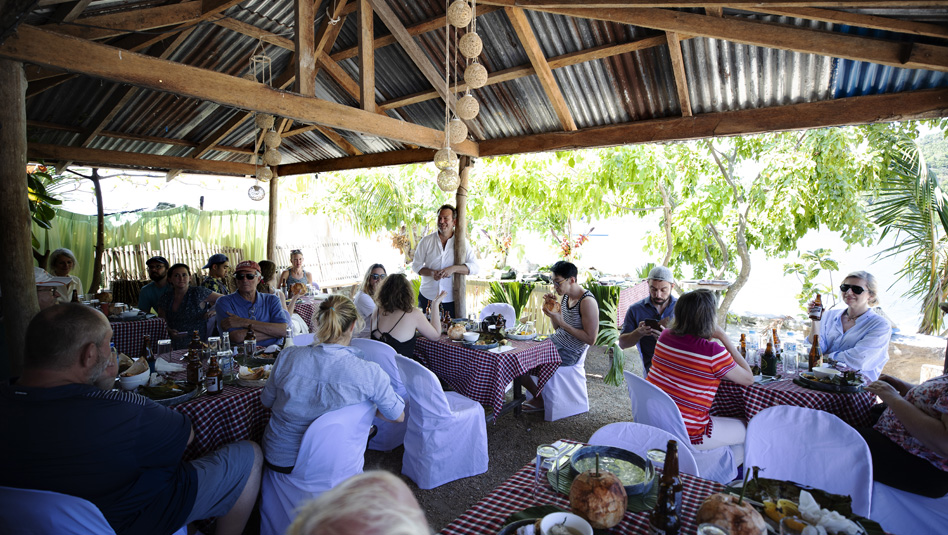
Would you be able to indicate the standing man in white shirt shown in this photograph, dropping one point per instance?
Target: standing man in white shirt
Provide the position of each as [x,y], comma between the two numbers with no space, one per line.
[434,261]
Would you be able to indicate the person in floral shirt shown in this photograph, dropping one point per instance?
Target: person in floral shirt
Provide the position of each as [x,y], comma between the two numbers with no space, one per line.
[909,443]
[217,268]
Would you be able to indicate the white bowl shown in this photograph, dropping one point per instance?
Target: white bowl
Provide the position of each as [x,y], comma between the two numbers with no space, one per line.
[823,373]
[130,313]
[135,381]
[577,523]
[471,337]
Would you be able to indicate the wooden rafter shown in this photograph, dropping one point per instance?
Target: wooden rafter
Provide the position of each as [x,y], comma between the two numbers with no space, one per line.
[102,61]
[620,4]
[304,39]
[859,20]
[114,24]
[540,66]
[418,57]
[135,160]
[70,11]
[135,137]
[678,67]
[381,159]
[252,31]
[366,56]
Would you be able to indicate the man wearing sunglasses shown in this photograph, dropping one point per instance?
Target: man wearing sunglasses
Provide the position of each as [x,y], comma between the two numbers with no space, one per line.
[855,336]
[247,307]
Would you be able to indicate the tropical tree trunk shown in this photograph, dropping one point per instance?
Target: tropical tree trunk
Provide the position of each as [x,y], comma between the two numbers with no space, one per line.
[742,277]
[99,233]
[667,211]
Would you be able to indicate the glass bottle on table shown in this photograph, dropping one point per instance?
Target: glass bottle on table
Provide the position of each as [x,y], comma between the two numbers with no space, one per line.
[816,356]
[250,342]
[147,354]
[214,381]
[195,370]
[768,361]
[225,341]
[665,518]
[288,338]
[744,346]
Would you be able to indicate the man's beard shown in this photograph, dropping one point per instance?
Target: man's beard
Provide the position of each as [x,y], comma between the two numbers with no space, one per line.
[156,277]
[659,302]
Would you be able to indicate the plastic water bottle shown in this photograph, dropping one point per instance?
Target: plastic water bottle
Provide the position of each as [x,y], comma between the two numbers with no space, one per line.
[753,342]
[790,352]
[114,355]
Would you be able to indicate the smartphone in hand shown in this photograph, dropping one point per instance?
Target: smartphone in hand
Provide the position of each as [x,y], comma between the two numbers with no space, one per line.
[654,324]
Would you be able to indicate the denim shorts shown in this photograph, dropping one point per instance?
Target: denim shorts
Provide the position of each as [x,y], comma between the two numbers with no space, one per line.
[221,477]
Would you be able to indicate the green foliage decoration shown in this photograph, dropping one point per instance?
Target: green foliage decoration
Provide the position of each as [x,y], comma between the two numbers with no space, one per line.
[40,201]
[514,293]
[807,268]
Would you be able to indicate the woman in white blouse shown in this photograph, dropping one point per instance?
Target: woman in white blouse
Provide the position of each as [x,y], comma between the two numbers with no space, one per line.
[365,299]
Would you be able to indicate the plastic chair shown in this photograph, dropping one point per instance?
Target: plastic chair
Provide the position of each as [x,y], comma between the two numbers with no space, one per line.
[565,394]
[813,448]
[639,438]
[506,309]
[905,513]
[333,449]
[390,434]
[42,512]
[652,406]
[447,432]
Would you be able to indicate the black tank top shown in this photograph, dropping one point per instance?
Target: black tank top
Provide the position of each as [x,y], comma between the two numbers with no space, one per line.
[406,348]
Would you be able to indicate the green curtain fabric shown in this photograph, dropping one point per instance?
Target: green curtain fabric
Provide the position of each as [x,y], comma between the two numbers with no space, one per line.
[246,229]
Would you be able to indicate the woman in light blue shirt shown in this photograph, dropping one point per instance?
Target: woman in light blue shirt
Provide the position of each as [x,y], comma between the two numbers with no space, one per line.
[856,336]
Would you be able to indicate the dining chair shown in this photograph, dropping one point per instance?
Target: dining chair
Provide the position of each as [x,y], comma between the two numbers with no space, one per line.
[639,438]
[506,309]
[446,438]
[333,449]
[565,393]
[390,434]
[898,511]
[811,447]
[43,512]
[652,406]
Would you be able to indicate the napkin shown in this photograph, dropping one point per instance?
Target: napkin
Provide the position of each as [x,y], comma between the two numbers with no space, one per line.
[272,349]
[500,349]
[163,365]
[824,520]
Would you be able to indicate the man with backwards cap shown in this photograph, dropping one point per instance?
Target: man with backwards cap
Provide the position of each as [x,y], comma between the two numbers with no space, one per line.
[152,292]
[217,266]
[247,307]
[658,306]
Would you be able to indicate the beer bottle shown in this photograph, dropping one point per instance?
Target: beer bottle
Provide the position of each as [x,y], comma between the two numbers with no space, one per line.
[215,378]
[744,346]
[777,345]
[768,362]
[288,338]
[665,518]
[196,344]
[75,296]
[250,342]
[816,356]
[195,370]
[148,354]
[815,314]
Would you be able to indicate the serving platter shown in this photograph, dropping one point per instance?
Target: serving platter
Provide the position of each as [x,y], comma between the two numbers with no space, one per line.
[522,337]
[154,394]
[810,381]
[480,346]
[644,497]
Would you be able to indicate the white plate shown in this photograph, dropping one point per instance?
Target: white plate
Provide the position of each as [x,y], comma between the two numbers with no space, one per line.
[522,337]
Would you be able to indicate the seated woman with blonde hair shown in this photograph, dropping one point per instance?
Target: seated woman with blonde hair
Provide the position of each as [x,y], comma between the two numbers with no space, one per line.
[309,381]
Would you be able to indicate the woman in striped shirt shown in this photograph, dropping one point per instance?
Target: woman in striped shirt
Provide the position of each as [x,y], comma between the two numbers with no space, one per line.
[689,364]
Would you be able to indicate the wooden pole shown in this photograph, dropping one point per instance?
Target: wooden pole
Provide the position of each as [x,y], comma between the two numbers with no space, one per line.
[17,284]
[460,240]
[274,208]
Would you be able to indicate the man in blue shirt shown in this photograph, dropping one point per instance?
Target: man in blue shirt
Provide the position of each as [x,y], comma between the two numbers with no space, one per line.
[658,306]
[249,308]
[152,292]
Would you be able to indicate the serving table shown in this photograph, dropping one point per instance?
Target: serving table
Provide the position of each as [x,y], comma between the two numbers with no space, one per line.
[744,402]
[482,375]
[516,494]
[127,335]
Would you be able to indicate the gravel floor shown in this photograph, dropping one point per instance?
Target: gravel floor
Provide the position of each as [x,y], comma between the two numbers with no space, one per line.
[512,442]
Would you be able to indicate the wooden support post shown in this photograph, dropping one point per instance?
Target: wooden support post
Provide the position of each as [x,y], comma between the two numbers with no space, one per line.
[16,279]
[459,283]
[366,56]
[305,54]
[274,208]
[99,234]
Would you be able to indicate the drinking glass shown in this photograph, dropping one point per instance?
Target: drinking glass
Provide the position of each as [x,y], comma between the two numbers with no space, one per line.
[657,456]
[214,344]
[789,364]
[546,456]
[164,349]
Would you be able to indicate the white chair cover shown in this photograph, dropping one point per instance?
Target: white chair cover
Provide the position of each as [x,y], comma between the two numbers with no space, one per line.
[811,447]
[304,339]
[390,434]
[298,325]
[447,432]
[333,449]
[905,513]
[652,406]
[506,309]
[565,393]
[639,438]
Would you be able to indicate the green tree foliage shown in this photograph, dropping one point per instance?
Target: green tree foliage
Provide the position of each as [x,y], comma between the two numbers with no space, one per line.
[807,269]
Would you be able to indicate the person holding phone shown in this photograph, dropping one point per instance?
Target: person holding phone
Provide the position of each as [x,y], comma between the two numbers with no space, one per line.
[645,320]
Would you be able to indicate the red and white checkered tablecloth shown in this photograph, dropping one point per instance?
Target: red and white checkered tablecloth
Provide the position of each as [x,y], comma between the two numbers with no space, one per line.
[628,297]
[127,335]
[233,415]
[483,376]
[744,402]
[516,494]
[306,311]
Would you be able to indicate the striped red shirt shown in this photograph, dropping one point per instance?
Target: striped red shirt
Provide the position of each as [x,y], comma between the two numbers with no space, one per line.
[689,369]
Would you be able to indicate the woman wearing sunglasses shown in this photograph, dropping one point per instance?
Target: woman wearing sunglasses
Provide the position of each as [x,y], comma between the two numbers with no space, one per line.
[855,336]
[365,298]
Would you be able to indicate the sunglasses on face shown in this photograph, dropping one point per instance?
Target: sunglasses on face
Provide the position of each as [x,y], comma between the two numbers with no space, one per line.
[245,276]
[557,283]
[376,276]
[856,289]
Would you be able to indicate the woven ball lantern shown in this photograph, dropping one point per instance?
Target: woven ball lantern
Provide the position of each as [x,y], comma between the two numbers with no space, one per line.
[256,193]
[470,45]
[264,174]
[460,14]
[263,121]
[457,131]
[272,139]
[272,157]
[446,159]
[475,75]
[249,76]
[449,180]
[468,107]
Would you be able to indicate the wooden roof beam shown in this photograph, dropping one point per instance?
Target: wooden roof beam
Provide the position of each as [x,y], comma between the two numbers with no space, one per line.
[544,5]
[678,67]
[538,60]
[381,159]
[135,137]
[366,33]
[134,160]
[60,51]
[115,24]
[857,19]
[304,39]
[420,59]
[70,11]
[927,104]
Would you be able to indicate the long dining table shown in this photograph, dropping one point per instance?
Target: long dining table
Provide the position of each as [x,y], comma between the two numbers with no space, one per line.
[484,375]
